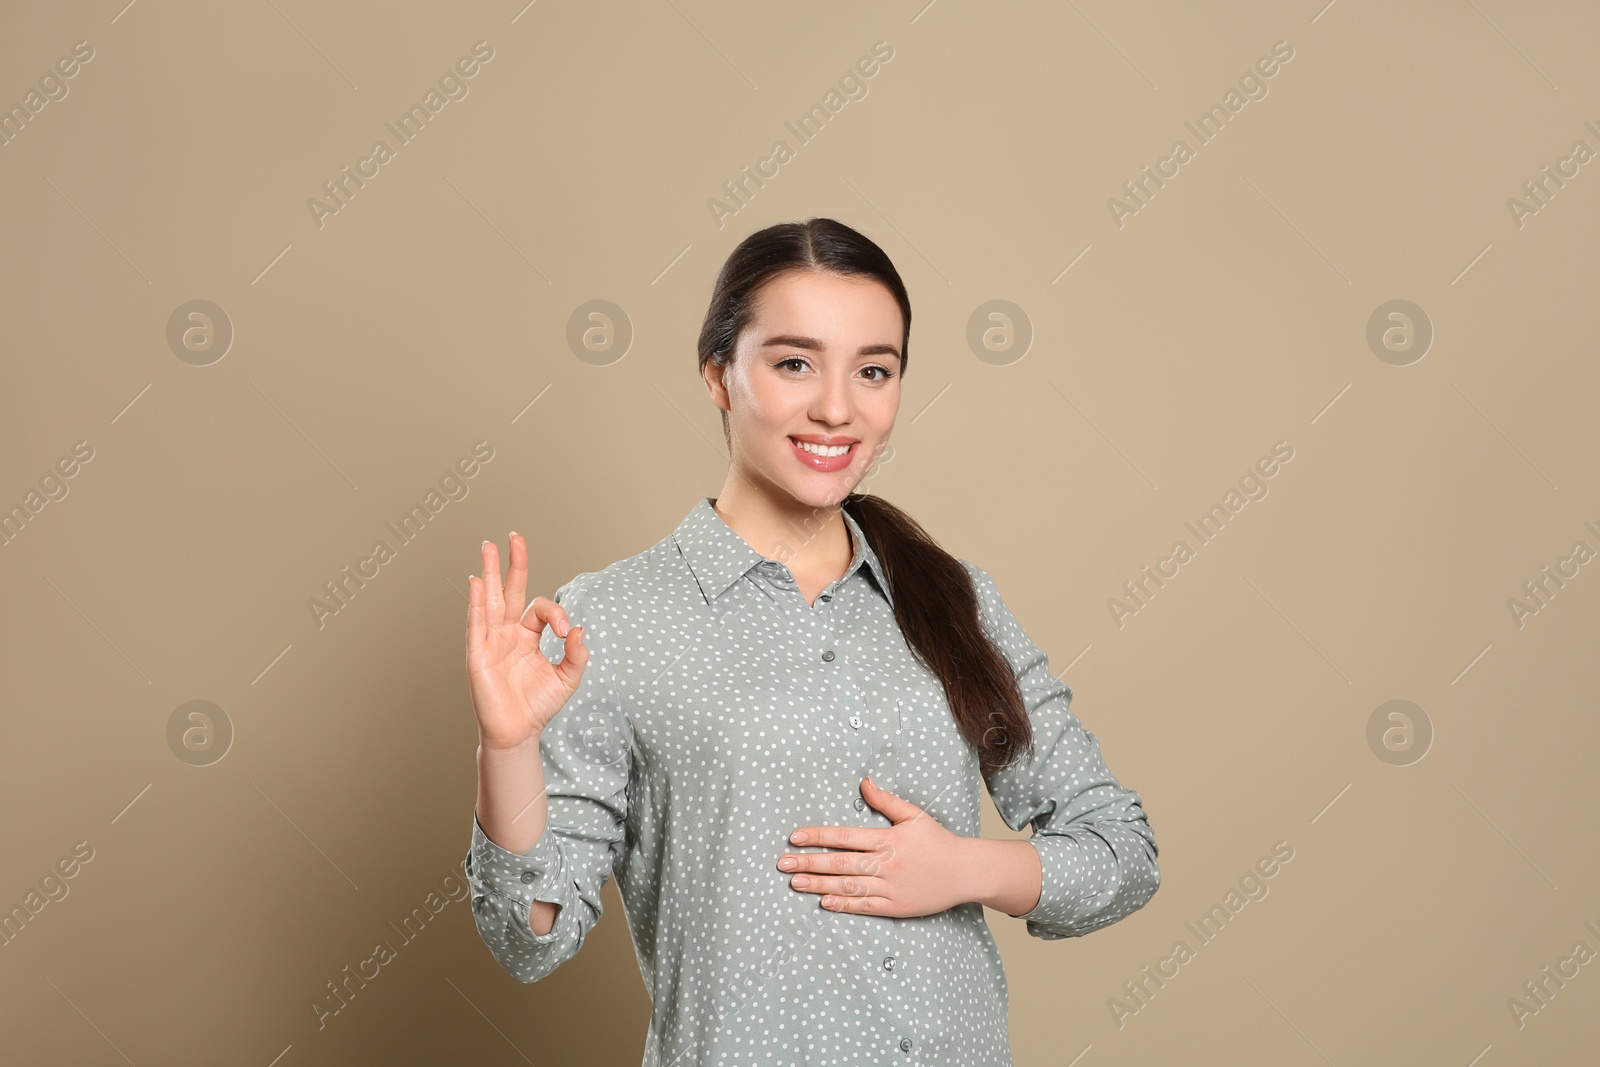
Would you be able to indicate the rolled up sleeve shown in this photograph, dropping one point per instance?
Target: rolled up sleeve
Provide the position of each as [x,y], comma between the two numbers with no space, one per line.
[1096,850]
[586,755]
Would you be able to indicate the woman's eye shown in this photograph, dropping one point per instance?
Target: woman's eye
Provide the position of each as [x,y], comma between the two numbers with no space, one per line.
[883,372]
[791,359]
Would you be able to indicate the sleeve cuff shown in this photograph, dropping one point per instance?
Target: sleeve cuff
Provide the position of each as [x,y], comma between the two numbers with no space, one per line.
[1079,879]
[538,874]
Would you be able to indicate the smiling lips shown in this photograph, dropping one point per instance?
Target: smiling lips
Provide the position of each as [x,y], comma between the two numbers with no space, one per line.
[820,452]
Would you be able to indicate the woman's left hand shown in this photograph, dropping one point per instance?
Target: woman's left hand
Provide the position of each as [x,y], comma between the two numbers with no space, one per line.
[915,867]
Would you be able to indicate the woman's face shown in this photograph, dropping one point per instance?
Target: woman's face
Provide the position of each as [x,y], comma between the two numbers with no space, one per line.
[819,359]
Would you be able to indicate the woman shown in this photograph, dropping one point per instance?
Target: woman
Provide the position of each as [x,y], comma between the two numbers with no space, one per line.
[796,657]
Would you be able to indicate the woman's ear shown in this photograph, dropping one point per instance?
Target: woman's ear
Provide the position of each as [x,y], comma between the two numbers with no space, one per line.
[712,373]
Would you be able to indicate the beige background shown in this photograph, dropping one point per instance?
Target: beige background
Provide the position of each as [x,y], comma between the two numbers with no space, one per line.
[1168,355]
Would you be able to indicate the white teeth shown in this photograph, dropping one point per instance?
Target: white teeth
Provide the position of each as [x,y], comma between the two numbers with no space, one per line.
[823,450]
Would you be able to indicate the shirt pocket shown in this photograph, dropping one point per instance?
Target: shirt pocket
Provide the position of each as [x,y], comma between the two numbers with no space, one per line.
[927,761]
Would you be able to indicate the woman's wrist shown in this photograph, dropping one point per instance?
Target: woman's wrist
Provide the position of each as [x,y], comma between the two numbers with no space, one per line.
[1004,874]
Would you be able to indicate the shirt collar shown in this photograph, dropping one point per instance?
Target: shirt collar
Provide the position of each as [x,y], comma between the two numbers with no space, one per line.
[718,556]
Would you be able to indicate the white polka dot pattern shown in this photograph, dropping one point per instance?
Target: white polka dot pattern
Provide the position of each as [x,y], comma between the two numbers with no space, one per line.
[719,712]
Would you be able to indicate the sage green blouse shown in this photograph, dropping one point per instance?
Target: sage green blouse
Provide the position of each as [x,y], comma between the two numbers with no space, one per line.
[720,711]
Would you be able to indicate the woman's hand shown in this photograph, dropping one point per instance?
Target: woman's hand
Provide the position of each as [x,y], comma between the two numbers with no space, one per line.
[915,867]
[515,690]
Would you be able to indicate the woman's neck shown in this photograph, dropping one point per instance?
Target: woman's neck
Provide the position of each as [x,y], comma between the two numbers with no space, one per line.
[808,540]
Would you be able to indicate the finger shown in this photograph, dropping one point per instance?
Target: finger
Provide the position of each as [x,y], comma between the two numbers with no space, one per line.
[542,612]
[516,591]
[836,885]
[494,598]
[546,612]
[857,898]
[575,658]
[857,837]
[835,862]
[855,905]
[475,622]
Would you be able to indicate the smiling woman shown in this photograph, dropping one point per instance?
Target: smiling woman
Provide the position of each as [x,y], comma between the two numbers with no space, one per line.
[780,752]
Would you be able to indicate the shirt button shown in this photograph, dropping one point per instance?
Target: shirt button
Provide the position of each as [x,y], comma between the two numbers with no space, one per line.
[888,963]
[527,876]
[855,722]
[860,804]
[905,1044]
[827,657]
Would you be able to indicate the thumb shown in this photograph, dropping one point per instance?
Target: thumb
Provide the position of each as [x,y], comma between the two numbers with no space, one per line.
[574,659]
[896,809]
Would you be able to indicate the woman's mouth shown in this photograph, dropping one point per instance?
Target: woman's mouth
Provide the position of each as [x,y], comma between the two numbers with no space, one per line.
[823,457]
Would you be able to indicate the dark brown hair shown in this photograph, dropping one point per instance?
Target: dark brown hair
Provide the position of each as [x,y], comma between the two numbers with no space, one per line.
[935,602]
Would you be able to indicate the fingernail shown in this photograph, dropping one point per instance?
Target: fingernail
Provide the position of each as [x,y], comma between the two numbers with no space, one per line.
[798,837]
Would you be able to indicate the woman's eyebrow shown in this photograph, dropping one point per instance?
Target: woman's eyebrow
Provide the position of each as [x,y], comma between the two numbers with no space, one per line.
[789,340]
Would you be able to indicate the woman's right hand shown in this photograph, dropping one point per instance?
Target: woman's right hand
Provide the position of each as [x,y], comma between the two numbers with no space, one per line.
[515,690]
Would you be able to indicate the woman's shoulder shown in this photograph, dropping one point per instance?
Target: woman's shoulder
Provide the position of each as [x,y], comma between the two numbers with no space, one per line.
[982,583]
[628,584]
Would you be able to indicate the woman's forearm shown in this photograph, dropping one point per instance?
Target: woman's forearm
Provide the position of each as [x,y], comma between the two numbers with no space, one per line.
[1007,874]
[513,809]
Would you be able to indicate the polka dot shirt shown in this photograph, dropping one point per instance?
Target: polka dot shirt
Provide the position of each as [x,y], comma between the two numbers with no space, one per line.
[719,712]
